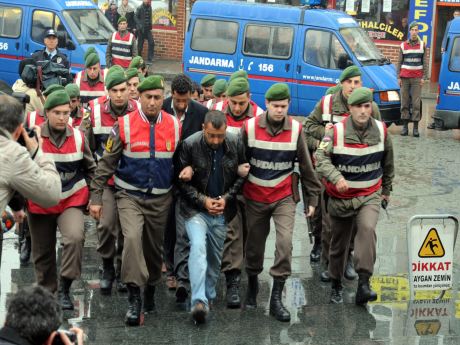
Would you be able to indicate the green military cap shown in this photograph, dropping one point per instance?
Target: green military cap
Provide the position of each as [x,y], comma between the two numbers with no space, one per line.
[115,76]
[141,77]
[219,87]
[57,98]
[131,73]
[91,60]
[360,95]
[136,62]
[52,88]
[122,19]
[152,82]
[88,51]
[413,24]
[350,72]
[277,92]
[333,89]
[208,80]
[239,74]
[73,90]
[237,87]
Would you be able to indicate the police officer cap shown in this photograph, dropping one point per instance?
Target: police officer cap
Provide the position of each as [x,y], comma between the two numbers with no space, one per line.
[136,62]
[239,74]
[88,51]
[52,88]
[219,87]
[73,90]
[50,32]
[360,95]
[91,60]
[115,76]
[237,87]
[277,92]
[208,80]
[413,24]
[350,72]
[333,89]
[152,82]
[131,73]
[122,19]
[57,98]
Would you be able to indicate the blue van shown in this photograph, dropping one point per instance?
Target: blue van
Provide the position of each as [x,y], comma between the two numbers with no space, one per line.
[305,48]
[447,113]
[78,23]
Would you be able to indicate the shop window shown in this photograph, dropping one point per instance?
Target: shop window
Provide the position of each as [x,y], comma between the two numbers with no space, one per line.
[215,36]
[381,19]
[323,49]
[164,14]
[268,41]
[10,22]
[454,61]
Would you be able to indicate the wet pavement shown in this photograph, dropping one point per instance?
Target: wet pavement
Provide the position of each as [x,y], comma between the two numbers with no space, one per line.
[427,182]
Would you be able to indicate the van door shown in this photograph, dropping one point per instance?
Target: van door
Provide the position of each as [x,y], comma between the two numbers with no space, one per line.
[449,78]
[267,55]
[11,47]
[317,67]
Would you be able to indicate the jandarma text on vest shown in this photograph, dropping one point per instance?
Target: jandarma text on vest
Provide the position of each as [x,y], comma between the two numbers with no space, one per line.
[359,168]
[270,165]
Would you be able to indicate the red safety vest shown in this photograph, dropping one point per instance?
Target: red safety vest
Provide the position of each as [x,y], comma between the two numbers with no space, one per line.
[122,49]
[326,105]
[272,161]
[88,92]
[412,60]
[34,118]
[233,125]
[69,163]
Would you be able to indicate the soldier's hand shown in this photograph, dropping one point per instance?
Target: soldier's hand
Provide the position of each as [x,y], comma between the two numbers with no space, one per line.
[342,185]
[386,197]
[328,126]
[186,174]
[310,212]
[422,81]
[19,216]
[95,211]
[243,169]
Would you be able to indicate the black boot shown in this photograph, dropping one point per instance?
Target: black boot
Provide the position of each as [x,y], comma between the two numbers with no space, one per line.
[364,293]
[26,247]
[415,130]
[133,315]
[149,298]
[350,272]
[336,293]
[324,276]
[108,276]
[233,279]
[253,290]
[64,294]
[405,129]
[121,287]
[315,254]
[277,309]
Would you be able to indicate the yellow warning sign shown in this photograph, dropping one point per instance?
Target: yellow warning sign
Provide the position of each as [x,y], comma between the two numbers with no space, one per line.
[432,246]
[427,327]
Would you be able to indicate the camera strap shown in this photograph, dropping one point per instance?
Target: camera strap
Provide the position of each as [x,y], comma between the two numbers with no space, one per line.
[39,84]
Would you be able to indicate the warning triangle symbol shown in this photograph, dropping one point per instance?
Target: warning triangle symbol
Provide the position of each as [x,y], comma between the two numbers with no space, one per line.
[429,327]
[432,246]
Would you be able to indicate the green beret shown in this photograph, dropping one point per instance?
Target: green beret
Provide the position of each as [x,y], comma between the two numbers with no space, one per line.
[219,87]
[115,76]
[57,98]
[412,24]
[88,51]
[239,74]
[237,87]
[360,95]
[122,19]
[136,62]
[73,90]
[52,88]
[208,80]
[91,60]
[277,92]
[152,82]
[141,77]
[333,89]
[350,72]
[131,73]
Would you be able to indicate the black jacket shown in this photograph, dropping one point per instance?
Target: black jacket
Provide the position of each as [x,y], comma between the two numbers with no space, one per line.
[41,56]
[10,336]
[113,17]
[144,18]
[196,153]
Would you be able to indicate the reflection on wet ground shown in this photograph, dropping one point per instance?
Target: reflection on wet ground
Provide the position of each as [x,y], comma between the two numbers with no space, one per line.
[427,181]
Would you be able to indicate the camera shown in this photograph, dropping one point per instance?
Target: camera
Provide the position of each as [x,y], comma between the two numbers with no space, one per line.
[71,335]
[23,99]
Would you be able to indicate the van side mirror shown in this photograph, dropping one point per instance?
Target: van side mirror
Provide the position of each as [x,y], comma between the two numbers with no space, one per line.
[344,61]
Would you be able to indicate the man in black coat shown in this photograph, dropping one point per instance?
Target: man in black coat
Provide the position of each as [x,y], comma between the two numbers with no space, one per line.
[176,247]
[144,28]
[112,14]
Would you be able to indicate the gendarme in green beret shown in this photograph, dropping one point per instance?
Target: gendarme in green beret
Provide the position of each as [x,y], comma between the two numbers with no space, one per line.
[239,74]
[131,73]
[350,72]
[122,19]
[360,95]
[72,90]
[52,88]
[219,87]
[91,60]
[152,82]
[278,92]
[88,51]
[413,24]
[57,98]
[333,89]
[136,62]
[114,77]
[237,87]
[208,80]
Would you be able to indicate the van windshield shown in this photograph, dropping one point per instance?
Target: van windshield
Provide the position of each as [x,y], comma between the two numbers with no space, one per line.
[89,25]
[362,46]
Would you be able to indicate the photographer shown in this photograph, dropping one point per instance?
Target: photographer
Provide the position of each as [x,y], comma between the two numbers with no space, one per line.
[33,318]
[26,84]
[24,169]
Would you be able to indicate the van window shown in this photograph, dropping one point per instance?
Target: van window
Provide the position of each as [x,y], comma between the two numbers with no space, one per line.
[454,61]
[323,49]
[10,22]
[268,41]
[44,20]
[215,36]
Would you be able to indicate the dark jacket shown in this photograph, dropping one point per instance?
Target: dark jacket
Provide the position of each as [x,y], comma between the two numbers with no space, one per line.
[196,153]
[10,336]
[113,17]
[144,18]
[41,56]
